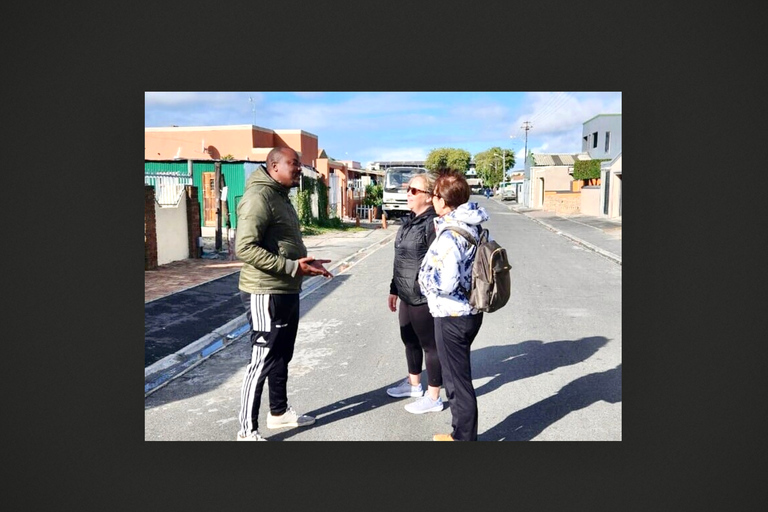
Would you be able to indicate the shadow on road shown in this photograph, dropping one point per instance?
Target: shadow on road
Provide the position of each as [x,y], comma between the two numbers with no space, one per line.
[527,423]
[506,363]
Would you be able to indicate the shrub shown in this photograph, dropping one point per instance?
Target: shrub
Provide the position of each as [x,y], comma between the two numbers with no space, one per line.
[374,195]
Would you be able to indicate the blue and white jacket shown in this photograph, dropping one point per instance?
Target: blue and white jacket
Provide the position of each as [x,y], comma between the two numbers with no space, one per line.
[445,275]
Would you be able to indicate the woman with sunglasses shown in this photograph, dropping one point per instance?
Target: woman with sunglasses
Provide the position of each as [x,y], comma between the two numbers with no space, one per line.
[445,277]
[417,327]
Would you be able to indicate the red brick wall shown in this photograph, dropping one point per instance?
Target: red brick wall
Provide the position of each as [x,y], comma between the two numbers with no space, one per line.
[193,221]
[150,229]
[566,203]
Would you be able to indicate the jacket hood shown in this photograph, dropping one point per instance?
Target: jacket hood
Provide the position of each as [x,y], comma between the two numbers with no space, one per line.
[470,214]
[260,177]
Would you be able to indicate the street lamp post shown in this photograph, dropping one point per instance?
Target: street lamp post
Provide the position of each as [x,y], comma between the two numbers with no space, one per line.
[503,164]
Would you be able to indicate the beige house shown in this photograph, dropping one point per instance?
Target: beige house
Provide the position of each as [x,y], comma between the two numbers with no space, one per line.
[549,183]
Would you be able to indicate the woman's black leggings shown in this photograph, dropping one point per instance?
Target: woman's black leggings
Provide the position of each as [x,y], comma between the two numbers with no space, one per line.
[417,330]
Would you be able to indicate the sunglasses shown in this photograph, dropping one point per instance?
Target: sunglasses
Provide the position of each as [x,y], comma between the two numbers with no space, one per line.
[415,191]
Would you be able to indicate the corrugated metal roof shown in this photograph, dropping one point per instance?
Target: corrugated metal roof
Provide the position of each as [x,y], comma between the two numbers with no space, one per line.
[545,159]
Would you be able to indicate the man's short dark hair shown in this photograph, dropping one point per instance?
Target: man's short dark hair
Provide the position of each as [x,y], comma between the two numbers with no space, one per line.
[274,155]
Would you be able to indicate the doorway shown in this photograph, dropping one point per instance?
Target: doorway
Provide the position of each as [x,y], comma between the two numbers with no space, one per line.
[209,199]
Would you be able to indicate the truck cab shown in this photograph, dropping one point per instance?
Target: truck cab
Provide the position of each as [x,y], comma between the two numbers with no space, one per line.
[394,200]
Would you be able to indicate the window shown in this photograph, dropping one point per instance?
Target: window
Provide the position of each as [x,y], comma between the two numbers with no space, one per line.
[594,140]
[607,141]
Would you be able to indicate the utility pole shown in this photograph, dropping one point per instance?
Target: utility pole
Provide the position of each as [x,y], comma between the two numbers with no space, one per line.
[503,163]
[526,126]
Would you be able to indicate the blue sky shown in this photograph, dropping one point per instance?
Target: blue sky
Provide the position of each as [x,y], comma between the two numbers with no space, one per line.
[375,126]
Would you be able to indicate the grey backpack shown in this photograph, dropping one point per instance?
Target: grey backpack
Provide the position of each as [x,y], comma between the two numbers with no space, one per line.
[491,281]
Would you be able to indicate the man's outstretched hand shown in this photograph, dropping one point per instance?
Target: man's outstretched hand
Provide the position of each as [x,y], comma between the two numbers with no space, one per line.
[309,266]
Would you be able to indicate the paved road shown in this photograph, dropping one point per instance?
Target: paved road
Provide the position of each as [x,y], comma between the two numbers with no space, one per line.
[546,367]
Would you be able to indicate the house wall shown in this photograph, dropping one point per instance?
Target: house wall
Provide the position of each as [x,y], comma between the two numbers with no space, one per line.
[562,203]
[556,179]
[205,142]
[343,206]
[184,222]
[590,201]
[304,143]
[243,142]
[601,124]
[171,229]
[614,192]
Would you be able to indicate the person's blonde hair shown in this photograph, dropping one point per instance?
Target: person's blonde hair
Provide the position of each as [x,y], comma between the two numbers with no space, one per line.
[429,181]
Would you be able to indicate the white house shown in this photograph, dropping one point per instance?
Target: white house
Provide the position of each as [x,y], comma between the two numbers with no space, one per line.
[601,136]
[601,139]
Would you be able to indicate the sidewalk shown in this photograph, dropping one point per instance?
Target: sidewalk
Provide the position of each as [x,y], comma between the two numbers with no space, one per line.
[599,234]
[184,274]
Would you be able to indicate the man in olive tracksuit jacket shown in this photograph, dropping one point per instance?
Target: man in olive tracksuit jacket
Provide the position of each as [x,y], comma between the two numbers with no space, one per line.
[275,262]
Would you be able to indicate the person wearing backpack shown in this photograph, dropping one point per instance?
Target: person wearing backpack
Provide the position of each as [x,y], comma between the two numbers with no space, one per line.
[417,328]
[445,278]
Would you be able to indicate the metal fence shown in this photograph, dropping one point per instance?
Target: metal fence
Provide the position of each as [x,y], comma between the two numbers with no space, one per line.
[363,211]
[169,186]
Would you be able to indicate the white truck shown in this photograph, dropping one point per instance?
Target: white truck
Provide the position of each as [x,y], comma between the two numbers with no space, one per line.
[394,201]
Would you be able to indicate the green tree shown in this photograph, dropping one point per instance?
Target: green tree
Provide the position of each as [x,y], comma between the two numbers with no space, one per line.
[492,165]
[452,158]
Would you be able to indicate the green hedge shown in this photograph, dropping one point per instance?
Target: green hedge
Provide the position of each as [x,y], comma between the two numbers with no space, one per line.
[586,169]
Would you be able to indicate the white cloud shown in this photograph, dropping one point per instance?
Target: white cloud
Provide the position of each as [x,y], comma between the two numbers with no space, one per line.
[383,154]
[395,125]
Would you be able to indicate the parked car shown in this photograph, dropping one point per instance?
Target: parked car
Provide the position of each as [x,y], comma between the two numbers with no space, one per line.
[507,191]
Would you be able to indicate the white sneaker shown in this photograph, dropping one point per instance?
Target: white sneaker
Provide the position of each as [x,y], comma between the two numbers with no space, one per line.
[252,436]
[425,404]
[289,419]
[405,389]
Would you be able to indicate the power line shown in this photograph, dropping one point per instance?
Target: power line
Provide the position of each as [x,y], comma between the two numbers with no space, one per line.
[519,132]
[547,106]
[551,106]
[554,107]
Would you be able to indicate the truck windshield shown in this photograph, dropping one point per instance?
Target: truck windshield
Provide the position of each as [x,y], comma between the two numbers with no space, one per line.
[398,178]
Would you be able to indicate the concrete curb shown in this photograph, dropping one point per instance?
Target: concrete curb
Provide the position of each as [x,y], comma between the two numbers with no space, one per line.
[161,372]
[607,254]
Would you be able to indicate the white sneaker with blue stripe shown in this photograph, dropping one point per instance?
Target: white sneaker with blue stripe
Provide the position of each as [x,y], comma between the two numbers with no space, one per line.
[405,389]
